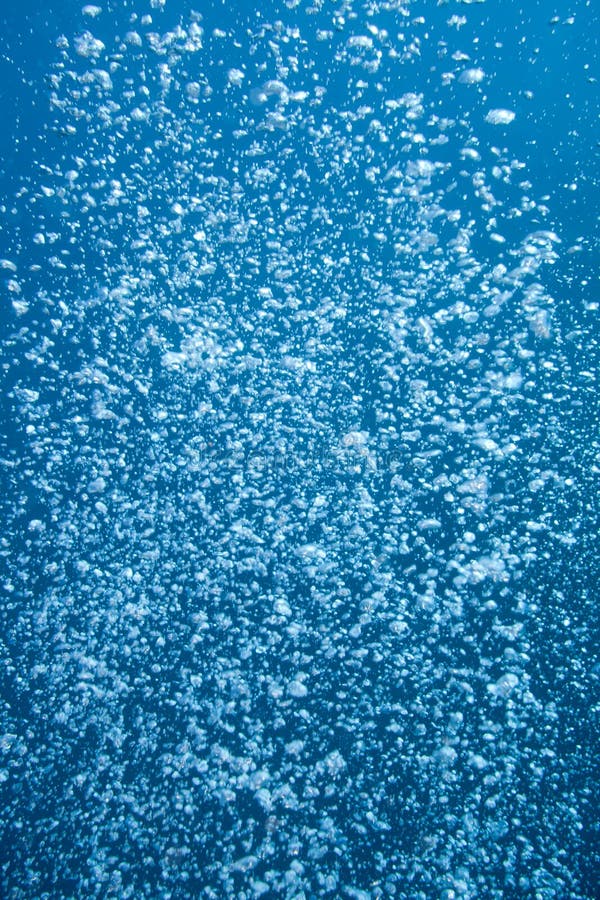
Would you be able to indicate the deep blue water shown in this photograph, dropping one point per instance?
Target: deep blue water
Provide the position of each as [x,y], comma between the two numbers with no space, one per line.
[299,452]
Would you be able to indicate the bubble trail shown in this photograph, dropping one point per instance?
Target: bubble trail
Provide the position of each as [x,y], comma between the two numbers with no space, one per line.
[299,470]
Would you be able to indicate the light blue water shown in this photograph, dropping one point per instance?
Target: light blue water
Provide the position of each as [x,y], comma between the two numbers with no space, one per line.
[299,453]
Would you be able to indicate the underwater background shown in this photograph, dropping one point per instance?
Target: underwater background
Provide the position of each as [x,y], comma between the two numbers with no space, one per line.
[299,451]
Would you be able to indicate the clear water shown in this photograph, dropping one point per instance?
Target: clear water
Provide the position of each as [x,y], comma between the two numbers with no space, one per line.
[300,457]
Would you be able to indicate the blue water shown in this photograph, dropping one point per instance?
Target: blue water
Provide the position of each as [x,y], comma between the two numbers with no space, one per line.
[299,452]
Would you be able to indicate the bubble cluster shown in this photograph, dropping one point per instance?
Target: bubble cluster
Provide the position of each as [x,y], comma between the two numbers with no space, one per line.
[297,557]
